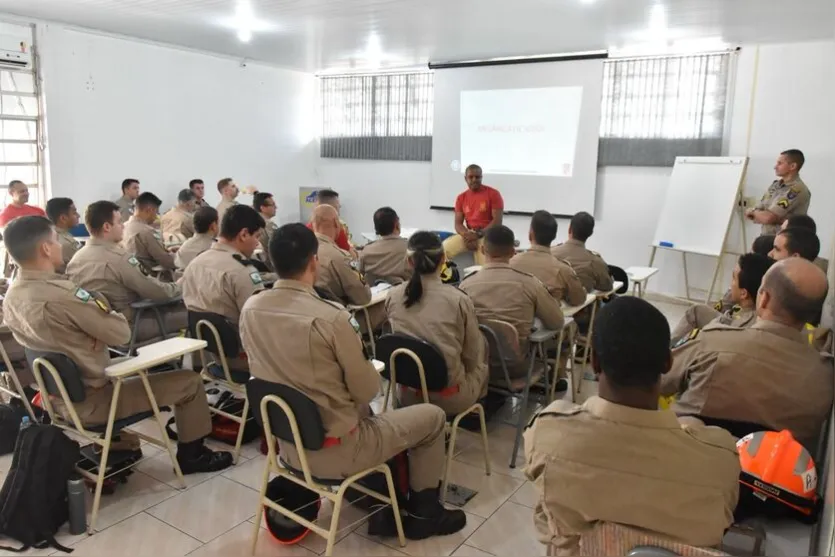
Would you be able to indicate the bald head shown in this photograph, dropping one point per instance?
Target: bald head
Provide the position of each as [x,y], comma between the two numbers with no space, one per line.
[325,221]
[792,293]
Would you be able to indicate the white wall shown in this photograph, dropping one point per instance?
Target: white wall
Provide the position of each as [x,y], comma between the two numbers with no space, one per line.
[119,108]
[792,108]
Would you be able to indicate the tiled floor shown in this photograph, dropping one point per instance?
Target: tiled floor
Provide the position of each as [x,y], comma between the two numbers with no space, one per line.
[215,514]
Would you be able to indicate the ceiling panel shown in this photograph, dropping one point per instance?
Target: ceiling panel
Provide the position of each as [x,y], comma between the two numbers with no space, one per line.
[315,35]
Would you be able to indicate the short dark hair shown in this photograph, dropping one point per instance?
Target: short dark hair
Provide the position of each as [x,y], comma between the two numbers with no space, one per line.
[790,301]
[802,221]
[14,183]
[802,241]
[58,206]
[631,342]
[291,248]
[472,167]
[385,219]
[544,228]
[763,244]
[222,183]
[796,156]
[194,182]
[260,199]
[203,219]
[582,226]
[146,200]
[325,195]
[23,235]
[752,268]
[499,241]
[184,196]
[98,214]
[128,182]
[240,217]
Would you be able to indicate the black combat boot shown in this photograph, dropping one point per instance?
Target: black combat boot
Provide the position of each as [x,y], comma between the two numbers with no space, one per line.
[427,517]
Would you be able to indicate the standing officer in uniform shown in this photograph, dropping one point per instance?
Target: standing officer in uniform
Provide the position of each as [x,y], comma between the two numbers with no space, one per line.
[385,258]
[500,292]
[63,214]
[130,191]
[295,338]
[105,267]
[143,240]
[178,222]
[681,482]
[477,209]
[264,204]
[205,231]
[745,283]
[337,270]
[443,316]
[590,267]
[763,377]
[228,190]
[557,276]
[786,196]
[48,312]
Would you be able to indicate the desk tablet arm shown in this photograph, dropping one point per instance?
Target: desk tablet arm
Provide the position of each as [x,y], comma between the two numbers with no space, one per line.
[542,335]
[153,355]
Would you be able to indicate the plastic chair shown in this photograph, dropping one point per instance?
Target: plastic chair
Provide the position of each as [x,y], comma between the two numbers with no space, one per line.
[63,379]
[292,417]
[221,339]
[416,364]
[608,538]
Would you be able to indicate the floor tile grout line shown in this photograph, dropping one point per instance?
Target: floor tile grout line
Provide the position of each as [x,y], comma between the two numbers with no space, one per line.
[177,529]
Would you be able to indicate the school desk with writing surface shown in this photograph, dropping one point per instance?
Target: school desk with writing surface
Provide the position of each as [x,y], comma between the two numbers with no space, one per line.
[379,293]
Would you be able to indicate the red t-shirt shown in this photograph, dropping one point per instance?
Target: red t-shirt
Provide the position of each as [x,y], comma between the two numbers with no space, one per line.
[341,240]
[478,206]
[13,211]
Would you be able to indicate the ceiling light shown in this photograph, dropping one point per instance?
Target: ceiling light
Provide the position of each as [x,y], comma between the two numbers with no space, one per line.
[244,22]
[244,35]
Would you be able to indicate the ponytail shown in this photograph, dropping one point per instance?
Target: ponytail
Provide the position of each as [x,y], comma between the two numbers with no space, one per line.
[426,253]
[414,290]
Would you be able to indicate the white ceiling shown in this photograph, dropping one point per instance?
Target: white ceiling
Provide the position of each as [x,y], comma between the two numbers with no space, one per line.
[315,35]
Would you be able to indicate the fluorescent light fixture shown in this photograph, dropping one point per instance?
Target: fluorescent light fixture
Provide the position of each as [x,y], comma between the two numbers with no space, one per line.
[244,22]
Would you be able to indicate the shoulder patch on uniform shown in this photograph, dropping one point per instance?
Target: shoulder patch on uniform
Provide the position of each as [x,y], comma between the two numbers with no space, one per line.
[82,295]
[784,203]
[354,265]
[792,193]
[255,277]
[354,323]
[687,338]
[133,261]
[157,235]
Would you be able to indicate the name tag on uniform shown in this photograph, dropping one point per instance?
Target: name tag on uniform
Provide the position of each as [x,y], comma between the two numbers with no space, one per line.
[255,276]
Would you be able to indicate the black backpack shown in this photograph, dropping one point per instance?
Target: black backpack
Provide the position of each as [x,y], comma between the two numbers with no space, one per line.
[10,418]
[33,501]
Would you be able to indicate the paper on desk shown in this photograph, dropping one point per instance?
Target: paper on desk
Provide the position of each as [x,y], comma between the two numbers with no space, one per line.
[380,288]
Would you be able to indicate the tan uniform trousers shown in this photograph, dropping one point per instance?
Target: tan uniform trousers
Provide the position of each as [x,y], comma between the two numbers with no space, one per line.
[174,320]
[182,389]
[420,429]
[455,246]
[695,317]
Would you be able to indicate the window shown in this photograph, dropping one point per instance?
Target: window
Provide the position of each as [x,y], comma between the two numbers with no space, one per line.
[655,109]
[378,117]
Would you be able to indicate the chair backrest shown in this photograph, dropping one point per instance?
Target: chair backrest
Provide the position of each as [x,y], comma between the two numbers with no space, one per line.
[619,275]
[308,419]
[229,339]
[434,365]
[505,351]
[67,370]
[608,538]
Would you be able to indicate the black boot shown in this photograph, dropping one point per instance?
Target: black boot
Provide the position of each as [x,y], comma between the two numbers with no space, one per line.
[382,523]
[427,517]
[196,457]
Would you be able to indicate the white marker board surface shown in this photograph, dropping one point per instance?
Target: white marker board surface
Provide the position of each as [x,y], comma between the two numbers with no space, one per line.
[700,201]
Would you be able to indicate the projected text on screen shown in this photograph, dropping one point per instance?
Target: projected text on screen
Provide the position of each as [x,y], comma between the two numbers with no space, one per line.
[521,131]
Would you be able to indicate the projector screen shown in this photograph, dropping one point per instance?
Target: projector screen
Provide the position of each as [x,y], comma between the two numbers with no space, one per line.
[533,129]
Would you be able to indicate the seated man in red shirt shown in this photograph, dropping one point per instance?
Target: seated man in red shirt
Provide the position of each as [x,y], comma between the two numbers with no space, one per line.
[19,193]
[330,197]
[478,208]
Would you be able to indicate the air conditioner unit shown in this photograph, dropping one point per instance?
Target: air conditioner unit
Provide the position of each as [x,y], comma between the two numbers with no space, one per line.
[14,59]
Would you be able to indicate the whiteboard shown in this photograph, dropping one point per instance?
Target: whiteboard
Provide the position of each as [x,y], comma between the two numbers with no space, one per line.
[700,201]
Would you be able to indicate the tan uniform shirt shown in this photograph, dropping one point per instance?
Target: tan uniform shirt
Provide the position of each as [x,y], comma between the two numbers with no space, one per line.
[217,282]
[766,374]
[46,311]
[557,276]
[338,274]
[293,337]
[444,317]
[700,316]
[177,222]
[500,292]
[125,204]
[607,462]
[145,242]
[267,235]
[784,199]
[589,266]
[385,259]
[200,202]
[69,245]
[191,248]
[223,206]
[108,269]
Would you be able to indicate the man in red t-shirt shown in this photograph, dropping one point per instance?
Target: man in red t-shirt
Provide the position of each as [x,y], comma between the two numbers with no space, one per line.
[478,208]
[19,192]
[330,197]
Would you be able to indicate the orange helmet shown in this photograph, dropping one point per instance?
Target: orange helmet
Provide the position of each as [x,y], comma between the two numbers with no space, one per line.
[776,468]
